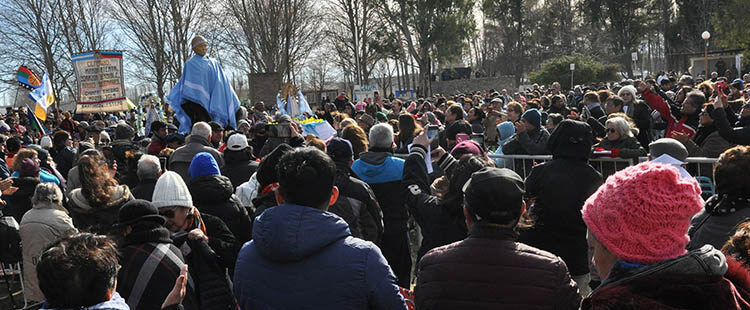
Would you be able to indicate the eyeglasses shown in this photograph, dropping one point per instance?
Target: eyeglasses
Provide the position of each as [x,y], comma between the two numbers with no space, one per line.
[611,130]
[704,113]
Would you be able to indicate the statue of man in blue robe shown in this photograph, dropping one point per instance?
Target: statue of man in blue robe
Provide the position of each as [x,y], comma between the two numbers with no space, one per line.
[203,92]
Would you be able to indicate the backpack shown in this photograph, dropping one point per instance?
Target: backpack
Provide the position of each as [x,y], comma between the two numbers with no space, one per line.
[10,240]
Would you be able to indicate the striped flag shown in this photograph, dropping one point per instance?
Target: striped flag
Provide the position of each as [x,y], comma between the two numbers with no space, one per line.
[43,98]
[27,79]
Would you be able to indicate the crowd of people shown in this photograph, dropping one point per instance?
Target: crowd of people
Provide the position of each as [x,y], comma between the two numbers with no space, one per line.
[405,207]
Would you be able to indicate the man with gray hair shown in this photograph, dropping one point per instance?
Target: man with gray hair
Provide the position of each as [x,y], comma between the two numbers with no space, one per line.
[382,171]
[197,142]
[149,170]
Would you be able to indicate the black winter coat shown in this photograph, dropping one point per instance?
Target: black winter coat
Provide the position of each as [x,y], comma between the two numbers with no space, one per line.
[238,167]
[357,205]
[489,270]
[442,222]
[20,201]
[737,135]
[212,194]
[144,247]
[64,159]
[208,264]
[144,190]
[560,187]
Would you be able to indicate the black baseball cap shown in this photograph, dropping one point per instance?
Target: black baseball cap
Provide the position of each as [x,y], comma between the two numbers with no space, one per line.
[494,195]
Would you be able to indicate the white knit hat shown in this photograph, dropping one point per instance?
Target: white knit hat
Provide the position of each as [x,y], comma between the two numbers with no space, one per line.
[170,190]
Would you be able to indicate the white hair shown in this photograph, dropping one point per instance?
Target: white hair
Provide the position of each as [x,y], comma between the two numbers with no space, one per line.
[149,167]
[202,129]
[621,125]
[47,192]
[381,135]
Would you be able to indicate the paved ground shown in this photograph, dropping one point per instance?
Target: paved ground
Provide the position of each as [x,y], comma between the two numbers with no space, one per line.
[15,287]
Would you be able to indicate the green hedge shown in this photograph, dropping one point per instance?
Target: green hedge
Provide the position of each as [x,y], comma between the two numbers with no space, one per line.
[587,70]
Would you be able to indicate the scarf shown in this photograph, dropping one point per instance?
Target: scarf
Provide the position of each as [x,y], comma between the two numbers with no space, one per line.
[702,133]
[725,204]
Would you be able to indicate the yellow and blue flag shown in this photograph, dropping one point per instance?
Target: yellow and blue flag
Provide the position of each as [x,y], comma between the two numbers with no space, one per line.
[43,98]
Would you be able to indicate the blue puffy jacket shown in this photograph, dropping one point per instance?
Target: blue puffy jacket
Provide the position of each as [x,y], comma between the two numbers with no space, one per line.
[305,258]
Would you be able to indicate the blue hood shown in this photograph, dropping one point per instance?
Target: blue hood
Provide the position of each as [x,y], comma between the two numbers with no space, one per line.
[378,167]
[506,130]
[290,233]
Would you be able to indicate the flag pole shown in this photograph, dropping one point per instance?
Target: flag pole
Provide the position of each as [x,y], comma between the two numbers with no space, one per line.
[15,99]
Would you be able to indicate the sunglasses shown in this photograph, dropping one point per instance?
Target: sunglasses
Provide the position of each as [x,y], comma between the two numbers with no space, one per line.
[612,130]
[167,213]
[703,113]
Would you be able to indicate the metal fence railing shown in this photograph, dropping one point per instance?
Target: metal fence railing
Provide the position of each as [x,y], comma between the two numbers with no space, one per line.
[522,164]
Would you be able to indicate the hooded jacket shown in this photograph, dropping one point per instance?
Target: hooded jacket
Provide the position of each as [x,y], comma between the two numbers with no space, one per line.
[357,205]
[239,167]
[40,226]
[100,219]
[302,257]
[213,194]
[532,142]
[559,227]
[700,279]
[506,130]
[383,172]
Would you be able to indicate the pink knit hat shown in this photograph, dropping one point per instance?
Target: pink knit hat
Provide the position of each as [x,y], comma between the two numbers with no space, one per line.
[642,213]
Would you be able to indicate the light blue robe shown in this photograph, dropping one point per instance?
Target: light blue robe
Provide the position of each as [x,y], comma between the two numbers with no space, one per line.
[203,81]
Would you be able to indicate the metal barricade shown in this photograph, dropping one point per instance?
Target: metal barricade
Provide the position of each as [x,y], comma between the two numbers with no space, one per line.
[522,164]
[697,166]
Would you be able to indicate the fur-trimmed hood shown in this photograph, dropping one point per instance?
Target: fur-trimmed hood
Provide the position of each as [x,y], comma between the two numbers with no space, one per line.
[80,204]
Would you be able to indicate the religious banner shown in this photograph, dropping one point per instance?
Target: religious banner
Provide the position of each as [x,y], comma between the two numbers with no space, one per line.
[101,84]
[363,92]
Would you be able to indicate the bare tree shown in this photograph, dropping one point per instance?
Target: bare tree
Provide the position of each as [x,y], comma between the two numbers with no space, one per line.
[158,31]
[30,35]
[272,35]
[83,26]
[355,32]
[432,29]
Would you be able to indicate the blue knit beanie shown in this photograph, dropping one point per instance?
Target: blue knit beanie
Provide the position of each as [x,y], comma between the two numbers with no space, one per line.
[533,116]
[203,164]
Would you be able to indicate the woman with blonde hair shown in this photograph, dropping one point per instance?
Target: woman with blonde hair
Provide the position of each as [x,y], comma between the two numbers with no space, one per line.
[24,153]
[619,141]
[357,138]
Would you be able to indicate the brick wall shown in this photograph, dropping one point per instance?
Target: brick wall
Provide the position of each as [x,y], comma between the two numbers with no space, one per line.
[264,87]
